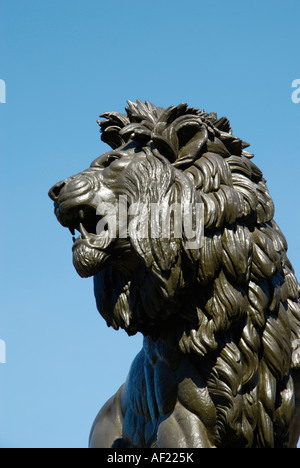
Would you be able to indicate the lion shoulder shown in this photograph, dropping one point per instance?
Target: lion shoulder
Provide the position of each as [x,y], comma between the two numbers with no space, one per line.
[106,431]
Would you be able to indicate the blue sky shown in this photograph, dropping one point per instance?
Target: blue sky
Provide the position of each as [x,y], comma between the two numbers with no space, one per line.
[64,62]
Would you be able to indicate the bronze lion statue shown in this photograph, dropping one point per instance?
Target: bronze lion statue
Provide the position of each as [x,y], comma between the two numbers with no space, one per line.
[221,320]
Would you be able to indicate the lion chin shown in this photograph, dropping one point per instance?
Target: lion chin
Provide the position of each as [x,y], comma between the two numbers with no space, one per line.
[87,260]
[221,319]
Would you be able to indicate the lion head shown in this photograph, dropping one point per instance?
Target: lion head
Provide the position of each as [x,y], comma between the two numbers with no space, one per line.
[231,299]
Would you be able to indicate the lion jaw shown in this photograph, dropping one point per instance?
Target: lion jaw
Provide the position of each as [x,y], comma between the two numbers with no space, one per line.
[77,202]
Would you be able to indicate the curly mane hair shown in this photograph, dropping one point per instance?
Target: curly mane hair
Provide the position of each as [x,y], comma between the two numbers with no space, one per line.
[239,312]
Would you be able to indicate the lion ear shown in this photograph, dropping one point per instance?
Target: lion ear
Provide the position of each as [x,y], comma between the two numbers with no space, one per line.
[192,135]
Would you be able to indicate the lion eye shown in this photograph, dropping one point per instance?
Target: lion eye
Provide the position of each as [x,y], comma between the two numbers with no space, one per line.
[104,161]
[110,158]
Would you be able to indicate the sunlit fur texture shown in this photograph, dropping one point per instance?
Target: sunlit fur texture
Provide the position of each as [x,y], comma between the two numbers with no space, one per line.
[237,297]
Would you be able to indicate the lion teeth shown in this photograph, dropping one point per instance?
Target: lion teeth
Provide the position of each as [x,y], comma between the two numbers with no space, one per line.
[83,231]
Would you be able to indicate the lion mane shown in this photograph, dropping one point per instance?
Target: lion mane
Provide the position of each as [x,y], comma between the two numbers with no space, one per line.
[231,305]
[244,314]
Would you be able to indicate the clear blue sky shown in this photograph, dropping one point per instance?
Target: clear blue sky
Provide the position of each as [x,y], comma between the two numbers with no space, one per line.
[64,62]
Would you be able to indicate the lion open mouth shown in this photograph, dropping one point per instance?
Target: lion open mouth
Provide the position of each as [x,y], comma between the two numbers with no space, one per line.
[85,220]
[89,248]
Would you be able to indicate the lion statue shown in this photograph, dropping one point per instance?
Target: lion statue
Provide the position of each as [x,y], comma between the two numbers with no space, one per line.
[220,362]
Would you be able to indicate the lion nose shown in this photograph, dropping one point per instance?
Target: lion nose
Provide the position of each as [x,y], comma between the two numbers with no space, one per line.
[55,190]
